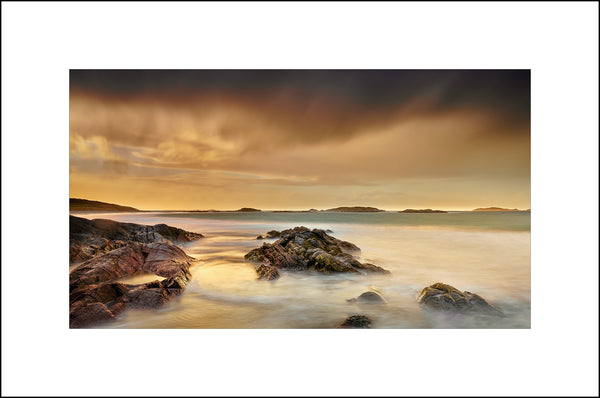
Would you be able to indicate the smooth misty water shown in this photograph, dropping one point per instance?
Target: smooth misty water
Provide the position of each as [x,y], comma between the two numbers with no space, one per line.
[485,253]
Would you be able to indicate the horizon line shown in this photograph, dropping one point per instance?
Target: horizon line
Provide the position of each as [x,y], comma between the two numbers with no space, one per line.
[300,210]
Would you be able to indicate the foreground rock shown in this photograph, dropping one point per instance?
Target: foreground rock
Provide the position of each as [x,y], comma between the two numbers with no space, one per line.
[441,296]
[373,296]
[111,250]
[96,296]
[301,249]
[88,238]
[355,322]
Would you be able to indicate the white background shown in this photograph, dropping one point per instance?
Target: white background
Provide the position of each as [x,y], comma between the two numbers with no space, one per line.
[557,41]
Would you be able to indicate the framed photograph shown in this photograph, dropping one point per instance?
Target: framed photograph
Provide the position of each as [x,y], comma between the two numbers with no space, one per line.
[300,198]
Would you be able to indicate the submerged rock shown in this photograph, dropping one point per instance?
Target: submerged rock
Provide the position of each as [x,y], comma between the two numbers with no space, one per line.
[373,296]
[267,272]
[441,296]
[355,322]
[302,249]
[269,235]
[88,238]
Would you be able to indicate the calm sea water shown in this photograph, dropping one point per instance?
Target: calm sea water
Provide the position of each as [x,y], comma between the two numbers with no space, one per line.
[483,252]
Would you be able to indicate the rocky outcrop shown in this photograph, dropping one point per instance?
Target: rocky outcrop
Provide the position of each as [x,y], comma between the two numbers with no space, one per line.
[373,296]
[302,249]
[355,322]
[111,250]
[267,272]
[441,296]
[88,238]
[269,235]
[96,296]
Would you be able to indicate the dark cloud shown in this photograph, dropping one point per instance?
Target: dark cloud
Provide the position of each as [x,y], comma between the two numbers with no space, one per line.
[297,133]
[502,91]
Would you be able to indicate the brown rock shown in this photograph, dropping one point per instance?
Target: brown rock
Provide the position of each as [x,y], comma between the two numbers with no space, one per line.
[301,249]
[165,260]
[356,322]
[83,315]
[117,308]
[88,238]
[143,297]
[370,297]
[109,266]
[92,283]
[441,296]
[267,272]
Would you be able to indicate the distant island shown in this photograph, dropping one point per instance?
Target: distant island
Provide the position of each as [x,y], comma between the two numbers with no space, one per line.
[93,205]
[356,209]
[297,211]
[243,210]
[497,209]
[422,211]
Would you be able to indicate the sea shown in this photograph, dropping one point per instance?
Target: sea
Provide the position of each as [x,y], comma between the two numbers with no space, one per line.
[488,253]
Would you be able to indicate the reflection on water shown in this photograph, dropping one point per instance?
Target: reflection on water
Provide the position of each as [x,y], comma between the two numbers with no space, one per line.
[139,278]
[224,291]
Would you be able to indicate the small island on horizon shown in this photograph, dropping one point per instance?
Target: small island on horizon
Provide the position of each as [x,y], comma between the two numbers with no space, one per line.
[422,211]
[497,209]
[352,209]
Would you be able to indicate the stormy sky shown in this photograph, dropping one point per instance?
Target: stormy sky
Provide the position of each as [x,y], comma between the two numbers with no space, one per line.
[300,139]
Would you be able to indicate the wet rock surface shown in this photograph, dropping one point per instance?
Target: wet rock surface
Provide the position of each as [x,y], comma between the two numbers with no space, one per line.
[128,249]
[302,249]
[83,315]
[88,238]
[267,272]
[373,296]
[443,297]
[93,282]
[356,322]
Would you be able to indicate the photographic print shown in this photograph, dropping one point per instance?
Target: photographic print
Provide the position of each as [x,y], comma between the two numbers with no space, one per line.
[299,199]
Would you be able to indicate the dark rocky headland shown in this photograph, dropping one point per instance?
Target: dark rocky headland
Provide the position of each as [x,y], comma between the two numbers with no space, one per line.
[113,250]
[76,204]
[302,249]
